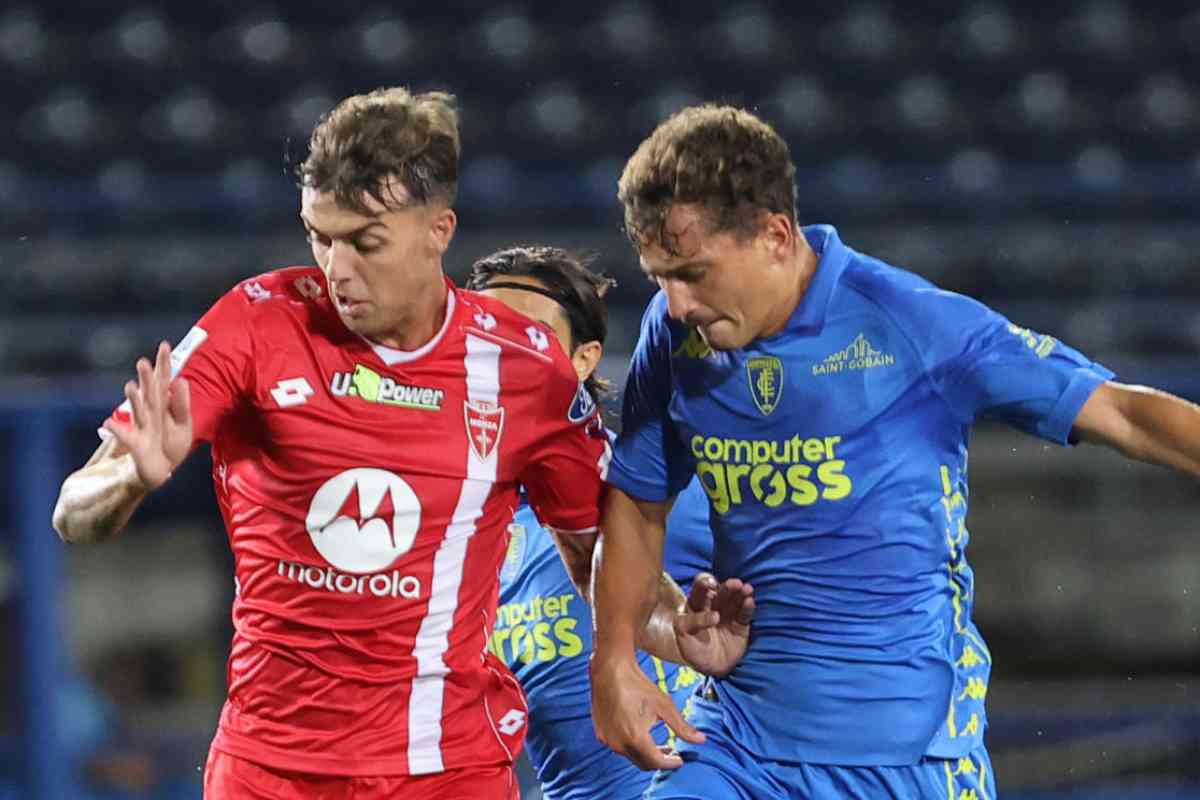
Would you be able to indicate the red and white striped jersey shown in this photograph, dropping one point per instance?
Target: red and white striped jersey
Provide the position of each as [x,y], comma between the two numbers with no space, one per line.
[367,493]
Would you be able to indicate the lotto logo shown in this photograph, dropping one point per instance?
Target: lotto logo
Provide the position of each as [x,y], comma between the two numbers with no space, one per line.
[292,392]
[511,722]
[538,338]
[256,292]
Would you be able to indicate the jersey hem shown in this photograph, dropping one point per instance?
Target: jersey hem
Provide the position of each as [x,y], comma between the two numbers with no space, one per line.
[1058,424]
[635,487]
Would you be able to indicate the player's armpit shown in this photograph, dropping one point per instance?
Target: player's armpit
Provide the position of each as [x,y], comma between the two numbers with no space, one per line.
[1144,424]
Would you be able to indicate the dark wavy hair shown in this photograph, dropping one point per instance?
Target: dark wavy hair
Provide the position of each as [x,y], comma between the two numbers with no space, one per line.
[369,140]
[721,158]
[569,281]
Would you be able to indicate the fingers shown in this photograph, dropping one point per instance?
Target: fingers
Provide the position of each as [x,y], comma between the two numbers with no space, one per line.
[674,720]
[735,602]
[745,615]
[162,372]
[180,402]
[648,755]
[702,593]
[137,404]
[693,622]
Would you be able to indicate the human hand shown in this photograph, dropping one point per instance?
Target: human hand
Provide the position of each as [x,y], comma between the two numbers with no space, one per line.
[159,435]
[626,705]
[713,628]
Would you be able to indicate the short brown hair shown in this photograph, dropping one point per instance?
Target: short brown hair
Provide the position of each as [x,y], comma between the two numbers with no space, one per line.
[722,158]
[578,291]
[369,139]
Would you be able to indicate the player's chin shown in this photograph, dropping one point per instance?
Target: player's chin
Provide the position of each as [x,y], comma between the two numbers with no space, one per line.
[723,335]
[358,321]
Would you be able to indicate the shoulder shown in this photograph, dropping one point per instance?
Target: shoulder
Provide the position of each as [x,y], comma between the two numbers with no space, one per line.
[528,345]
[280,287]
[910,301]
[290,297]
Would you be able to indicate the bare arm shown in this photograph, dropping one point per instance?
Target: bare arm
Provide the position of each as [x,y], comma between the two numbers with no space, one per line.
[1144,424]
[97,500]
[628,570]
[583,553]
[625,704]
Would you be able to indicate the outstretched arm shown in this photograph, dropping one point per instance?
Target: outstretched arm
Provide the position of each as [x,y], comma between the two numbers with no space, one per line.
[1144,424]
[97,500]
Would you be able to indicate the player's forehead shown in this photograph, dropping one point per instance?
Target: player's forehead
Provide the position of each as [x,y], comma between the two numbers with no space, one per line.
[322,209]
[687,239]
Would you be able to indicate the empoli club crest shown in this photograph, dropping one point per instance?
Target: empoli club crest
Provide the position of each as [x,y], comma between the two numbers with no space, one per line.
[766,381]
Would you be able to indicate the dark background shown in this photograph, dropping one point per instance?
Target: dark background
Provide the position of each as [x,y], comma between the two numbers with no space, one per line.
[1042,157]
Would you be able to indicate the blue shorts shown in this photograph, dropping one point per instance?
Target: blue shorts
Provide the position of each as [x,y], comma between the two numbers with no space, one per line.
[723,768]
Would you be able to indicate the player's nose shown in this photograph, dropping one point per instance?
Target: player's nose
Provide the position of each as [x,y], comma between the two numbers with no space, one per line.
[680,302]
[341,263]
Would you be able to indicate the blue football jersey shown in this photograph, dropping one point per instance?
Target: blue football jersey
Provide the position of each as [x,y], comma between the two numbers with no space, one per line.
[543,632]
[834,456]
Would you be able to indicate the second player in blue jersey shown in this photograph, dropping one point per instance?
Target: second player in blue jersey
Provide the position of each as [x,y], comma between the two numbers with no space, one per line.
[544,633]
[543,628]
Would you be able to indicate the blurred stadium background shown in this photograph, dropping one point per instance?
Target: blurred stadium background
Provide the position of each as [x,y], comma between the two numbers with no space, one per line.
[1043,157]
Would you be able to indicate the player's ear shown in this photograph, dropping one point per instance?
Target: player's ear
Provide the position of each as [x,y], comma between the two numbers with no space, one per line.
[442,224]
[778,234]
[586,358]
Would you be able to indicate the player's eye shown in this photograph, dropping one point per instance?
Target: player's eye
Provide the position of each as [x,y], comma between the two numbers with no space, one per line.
[318,239]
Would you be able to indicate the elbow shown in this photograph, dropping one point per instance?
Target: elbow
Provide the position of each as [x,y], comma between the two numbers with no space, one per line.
[61,521]
[70,527]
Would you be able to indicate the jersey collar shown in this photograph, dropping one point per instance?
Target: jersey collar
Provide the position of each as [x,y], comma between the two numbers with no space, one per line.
[809,316]
[391,356]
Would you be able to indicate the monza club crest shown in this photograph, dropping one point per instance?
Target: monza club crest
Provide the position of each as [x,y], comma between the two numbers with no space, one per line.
[485,423]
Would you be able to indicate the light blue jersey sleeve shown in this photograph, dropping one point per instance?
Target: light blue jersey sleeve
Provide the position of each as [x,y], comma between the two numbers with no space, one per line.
[986,367]
[649,460]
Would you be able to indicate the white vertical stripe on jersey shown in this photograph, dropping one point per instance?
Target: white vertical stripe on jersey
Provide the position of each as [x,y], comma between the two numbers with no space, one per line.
[425,704]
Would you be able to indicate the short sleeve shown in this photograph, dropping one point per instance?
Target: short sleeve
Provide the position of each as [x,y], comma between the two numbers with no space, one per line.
[649,460]
[564,475]
[216,359]
[989,368]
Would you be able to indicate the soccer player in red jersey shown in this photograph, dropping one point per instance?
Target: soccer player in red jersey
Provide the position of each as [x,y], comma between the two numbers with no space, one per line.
[370,425]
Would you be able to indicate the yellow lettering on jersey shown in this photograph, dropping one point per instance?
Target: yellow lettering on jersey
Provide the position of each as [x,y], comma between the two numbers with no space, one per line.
[1042,346]
[539,628]
[799,470]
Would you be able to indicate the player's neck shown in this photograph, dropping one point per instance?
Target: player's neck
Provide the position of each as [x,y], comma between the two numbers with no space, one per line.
[415,333]
[796,280]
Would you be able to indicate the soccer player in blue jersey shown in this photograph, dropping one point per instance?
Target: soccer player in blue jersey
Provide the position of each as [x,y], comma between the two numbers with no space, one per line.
[824,400]
[543,627]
